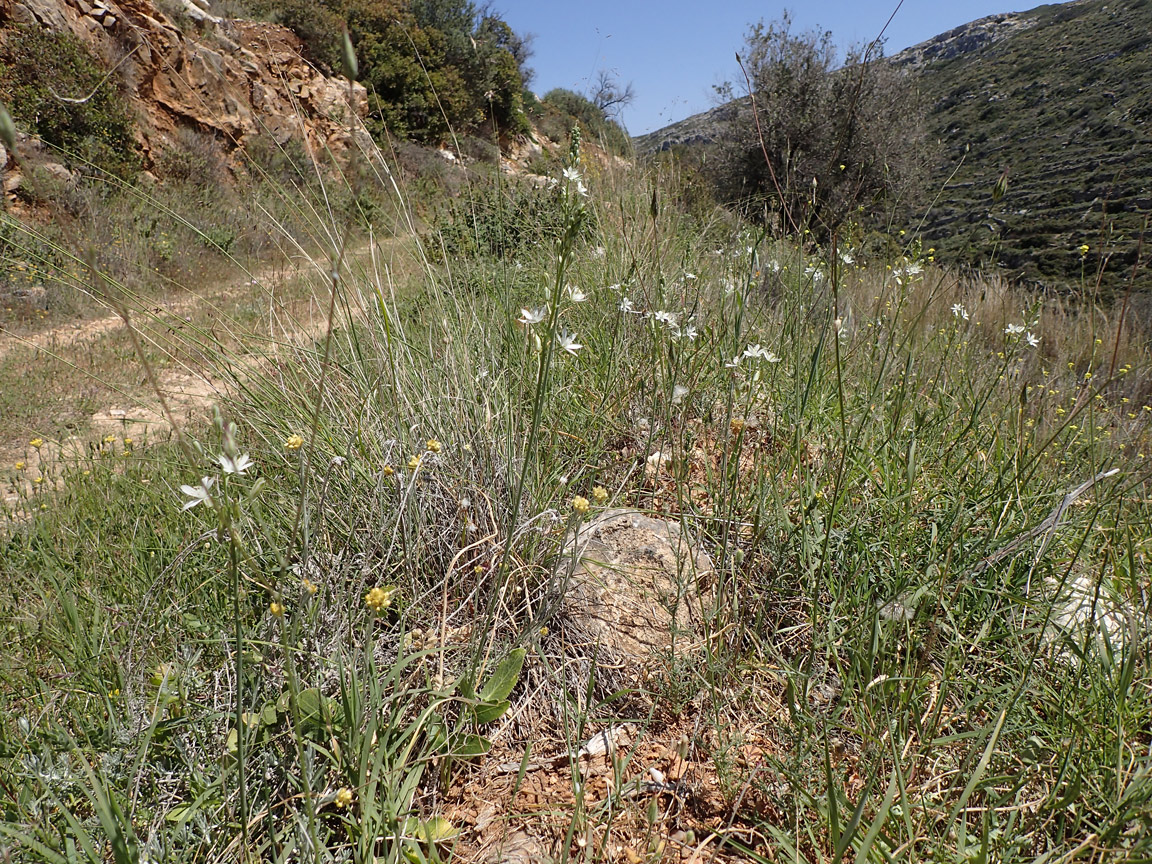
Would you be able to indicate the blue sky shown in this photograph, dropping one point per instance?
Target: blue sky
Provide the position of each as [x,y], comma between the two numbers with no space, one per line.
[674,51]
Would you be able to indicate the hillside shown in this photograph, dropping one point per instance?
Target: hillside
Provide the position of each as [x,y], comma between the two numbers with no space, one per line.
[1057,97]
[162,73]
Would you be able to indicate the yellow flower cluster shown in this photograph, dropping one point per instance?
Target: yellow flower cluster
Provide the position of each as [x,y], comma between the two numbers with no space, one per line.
[378,599]
[580,505]
[293,442]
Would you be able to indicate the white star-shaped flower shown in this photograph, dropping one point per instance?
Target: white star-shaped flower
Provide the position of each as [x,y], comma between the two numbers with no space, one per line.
[528,317]
[755,352]
[198,494]
[234,466]
[568,342]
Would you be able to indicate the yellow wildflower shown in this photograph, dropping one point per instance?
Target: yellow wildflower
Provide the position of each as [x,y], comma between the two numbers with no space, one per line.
[378,598]
[36,442]
[413,463]
[600,494]
[344,797]
[293,442]
[433,445]
[580,505]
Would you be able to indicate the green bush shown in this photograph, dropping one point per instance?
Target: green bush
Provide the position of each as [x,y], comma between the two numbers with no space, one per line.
[596,123]
[498,219]
[37,68]
[433,68]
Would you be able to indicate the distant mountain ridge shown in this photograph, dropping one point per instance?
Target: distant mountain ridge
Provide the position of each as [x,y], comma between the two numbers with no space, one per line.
[1058,97]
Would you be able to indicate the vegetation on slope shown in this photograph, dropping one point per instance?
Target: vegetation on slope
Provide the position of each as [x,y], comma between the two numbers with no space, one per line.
[1061,109]
[1051,110]
[37,69]
[433,67]
[336,647]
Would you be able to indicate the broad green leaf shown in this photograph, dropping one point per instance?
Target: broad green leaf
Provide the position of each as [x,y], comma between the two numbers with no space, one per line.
[487,712]
[311,706]
[472,745]
[504,677]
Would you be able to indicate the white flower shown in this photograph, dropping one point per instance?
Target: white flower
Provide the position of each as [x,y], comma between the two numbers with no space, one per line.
[568,342]
[1032,340]
[668,319]
[198,494]
[753,352]
[573,176]
[734,362]
[626,305]
[689,276]
[847,258]
[234,466]
[528,317]
[614,286]
[1014,329]
[598,252]
[678,394]
[688,331]
[576,295]
[914,269]
[959,311]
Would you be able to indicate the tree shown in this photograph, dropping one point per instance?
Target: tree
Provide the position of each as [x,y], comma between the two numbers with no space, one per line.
[816,142]
[609,96]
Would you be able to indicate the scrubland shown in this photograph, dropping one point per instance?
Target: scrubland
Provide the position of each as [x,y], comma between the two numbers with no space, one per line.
[308,613]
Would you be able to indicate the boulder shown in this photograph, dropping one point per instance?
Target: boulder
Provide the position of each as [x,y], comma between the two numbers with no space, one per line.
[634,587]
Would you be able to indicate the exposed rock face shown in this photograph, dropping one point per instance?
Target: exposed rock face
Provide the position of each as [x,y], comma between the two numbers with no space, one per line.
[635,586]
[238,79]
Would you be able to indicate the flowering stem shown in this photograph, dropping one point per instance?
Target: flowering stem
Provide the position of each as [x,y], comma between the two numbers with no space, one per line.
[542,376]
[238,648]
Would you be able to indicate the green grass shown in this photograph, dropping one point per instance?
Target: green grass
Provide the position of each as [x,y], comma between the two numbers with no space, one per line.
[867,684]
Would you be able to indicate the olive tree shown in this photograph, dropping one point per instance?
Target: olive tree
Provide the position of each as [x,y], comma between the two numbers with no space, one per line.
[815,142]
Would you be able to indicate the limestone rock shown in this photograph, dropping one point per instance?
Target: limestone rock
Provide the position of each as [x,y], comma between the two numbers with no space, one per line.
[227,80]
[519,848]
[636,585]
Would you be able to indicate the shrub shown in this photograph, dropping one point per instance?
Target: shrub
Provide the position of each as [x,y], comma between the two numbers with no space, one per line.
[498,219]
[596,123]
[37,67]
[820,143]
[434,68]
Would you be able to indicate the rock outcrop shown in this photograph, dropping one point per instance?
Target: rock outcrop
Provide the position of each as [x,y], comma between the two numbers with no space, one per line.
[230,78]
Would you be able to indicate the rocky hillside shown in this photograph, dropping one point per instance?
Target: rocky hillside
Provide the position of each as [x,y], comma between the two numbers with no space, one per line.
[178,67]
[1057,97]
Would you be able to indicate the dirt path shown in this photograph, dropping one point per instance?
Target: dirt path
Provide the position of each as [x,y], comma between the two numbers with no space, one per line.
[131,415]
